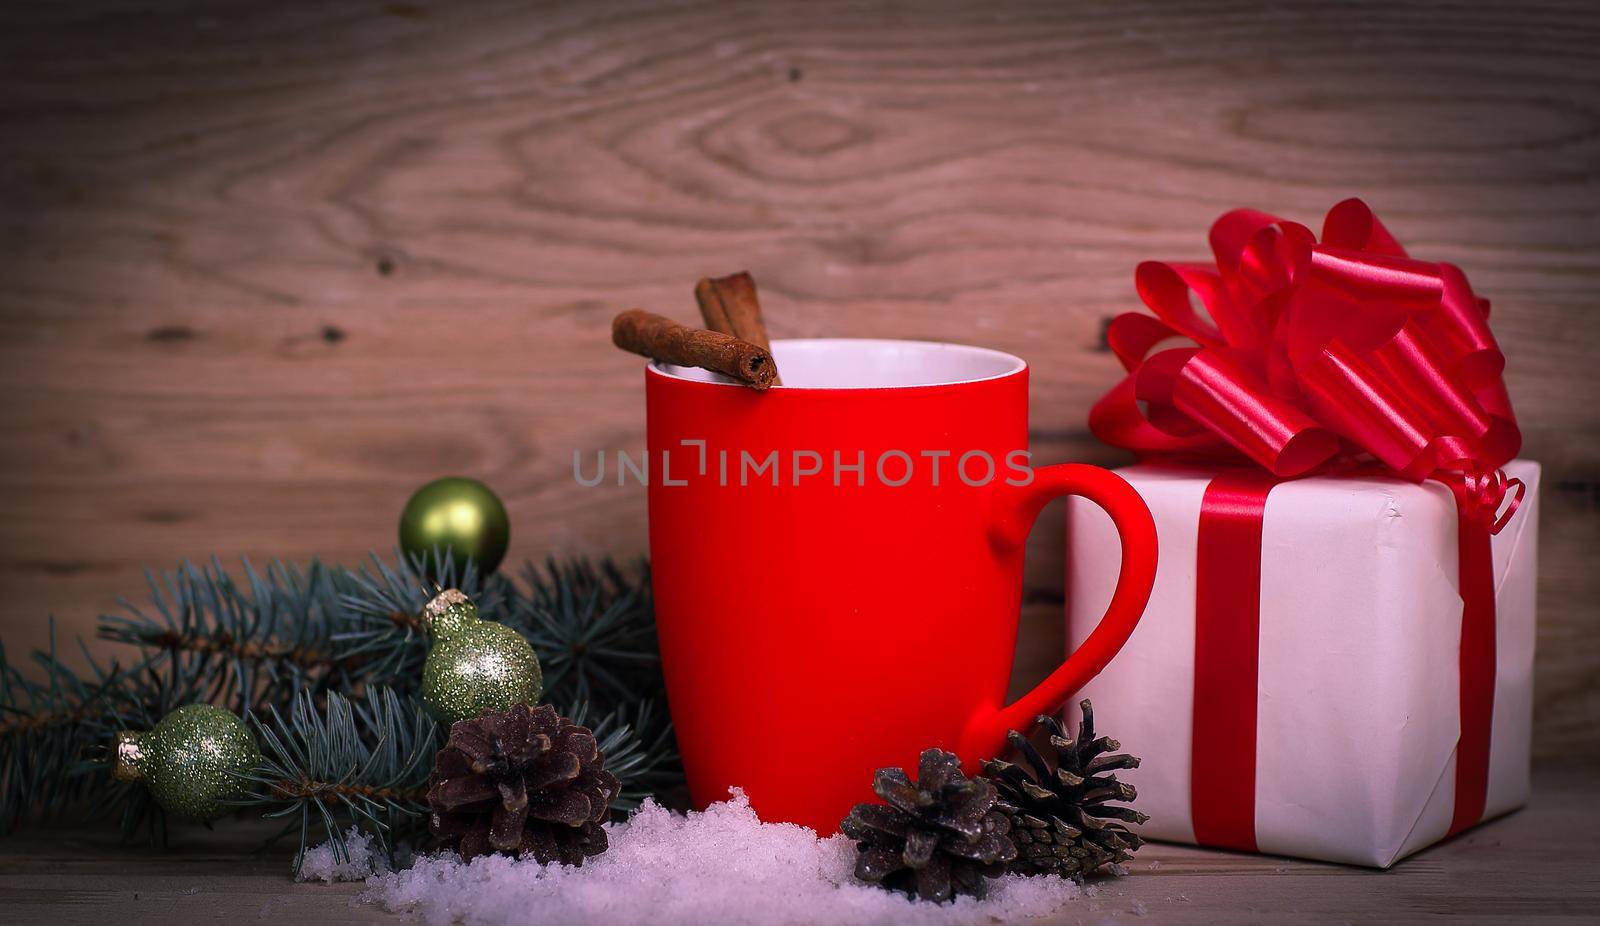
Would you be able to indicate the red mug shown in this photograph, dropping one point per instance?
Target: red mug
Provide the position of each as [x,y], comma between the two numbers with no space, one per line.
[837,566]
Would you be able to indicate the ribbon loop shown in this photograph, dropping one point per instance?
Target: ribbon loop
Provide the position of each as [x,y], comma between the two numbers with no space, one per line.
[1316,354]
[1490,498]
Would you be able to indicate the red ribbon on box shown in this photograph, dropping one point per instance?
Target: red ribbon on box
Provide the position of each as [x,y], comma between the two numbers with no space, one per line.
[1319,356]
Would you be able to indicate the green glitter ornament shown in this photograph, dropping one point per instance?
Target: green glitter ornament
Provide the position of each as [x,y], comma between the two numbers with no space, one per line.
[460,515]
[475,665]
[188,760]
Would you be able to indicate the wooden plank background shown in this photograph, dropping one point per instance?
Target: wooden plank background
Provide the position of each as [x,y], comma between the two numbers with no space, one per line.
[266,267]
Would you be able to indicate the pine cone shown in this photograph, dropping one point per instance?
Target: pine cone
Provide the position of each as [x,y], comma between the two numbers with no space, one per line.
[1059,814]
[525,781]
[936,838]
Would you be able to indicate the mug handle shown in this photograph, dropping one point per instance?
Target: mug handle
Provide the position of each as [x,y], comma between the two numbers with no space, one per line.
[1016,508]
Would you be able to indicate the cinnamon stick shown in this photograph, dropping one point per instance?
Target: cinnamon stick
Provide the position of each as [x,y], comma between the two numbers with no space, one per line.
[729,305]
[659,338]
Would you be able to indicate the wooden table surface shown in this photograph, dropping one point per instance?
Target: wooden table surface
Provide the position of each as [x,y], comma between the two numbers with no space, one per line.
[1535,866]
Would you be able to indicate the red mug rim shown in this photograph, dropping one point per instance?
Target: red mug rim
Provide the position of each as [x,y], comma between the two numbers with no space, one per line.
[906,352]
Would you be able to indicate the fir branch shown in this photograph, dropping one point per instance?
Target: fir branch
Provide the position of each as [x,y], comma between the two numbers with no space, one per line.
[256,642]
[594,629]
[56,745]
[294,647]
[592,626]
[44,732]
[362,762]
[381,627]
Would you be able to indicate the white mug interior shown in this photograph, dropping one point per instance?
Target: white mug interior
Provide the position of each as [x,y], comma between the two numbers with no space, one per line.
[864,363]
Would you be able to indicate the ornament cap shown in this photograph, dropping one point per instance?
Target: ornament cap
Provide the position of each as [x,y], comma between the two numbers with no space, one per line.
[127,762]
[448,613]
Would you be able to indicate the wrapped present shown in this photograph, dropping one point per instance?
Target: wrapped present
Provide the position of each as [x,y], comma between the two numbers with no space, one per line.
[1336,661]
[1305,670]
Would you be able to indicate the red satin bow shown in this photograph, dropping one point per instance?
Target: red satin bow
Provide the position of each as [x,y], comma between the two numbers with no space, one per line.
[1317,354]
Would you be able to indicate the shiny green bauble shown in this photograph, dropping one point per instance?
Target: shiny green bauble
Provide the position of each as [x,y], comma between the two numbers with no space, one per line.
[474,665]
[187,762]
[460,515]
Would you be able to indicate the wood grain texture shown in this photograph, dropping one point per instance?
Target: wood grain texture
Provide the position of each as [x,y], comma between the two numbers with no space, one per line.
[1535,866]
[268,267]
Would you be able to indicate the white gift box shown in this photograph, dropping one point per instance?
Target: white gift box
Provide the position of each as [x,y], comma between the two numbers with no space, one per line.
[1357,698]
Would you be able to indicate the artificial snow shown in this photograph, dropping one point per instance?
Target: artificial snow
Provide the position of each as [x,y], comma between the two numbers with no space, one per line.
[361,860]
[719,866]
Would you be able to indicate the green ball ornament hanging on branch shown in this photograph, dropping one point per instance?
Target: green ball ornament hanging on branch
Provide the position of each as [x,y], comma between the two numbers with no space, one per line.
[188,760]
[475,665]
[459,515]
